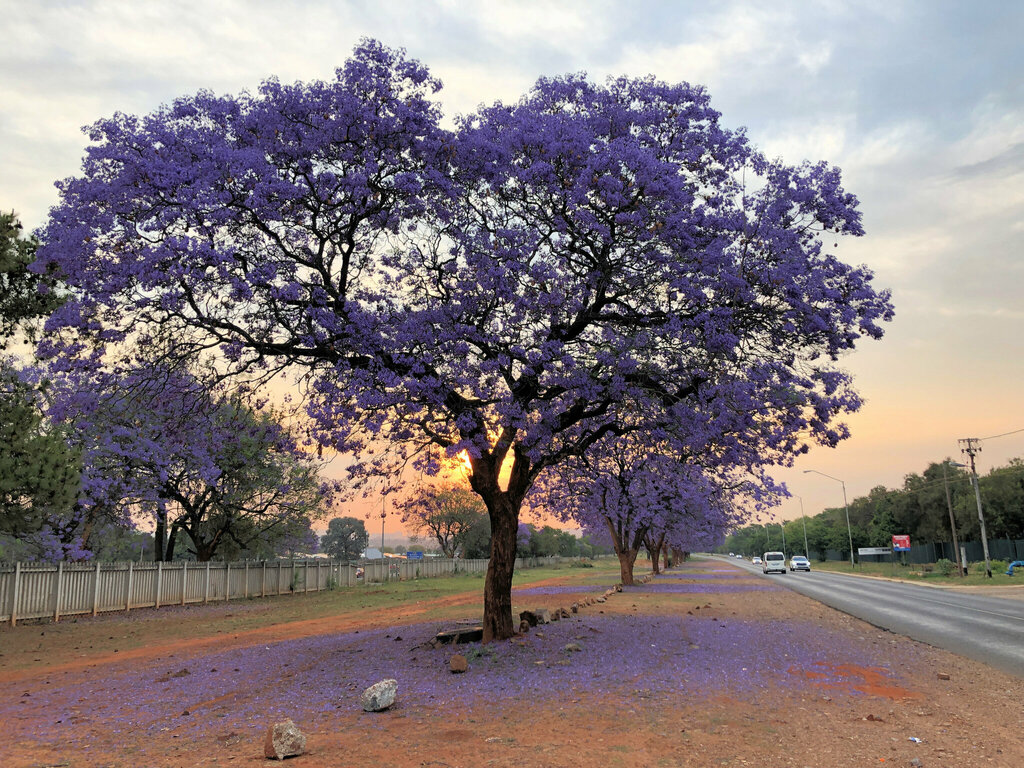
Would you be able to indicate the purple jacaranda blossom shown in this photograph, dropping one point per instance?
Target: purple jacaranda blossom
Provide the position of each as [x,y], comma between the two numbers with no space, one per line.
[591,260]
[311,679]
[157,440]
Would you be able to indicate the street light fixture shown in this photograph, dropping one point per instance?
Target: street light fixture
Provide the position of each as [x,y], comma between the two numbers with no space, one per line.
[849,530]
[807,550]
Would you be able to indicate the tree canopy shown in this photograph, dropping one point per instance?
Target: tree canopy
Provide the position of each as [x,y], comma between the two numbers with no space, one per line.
[346,538]
[500,289]
[446,513]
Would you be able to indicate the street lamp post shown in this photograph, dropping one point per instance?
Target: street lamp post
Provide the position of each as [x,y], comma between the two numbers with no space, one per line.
[383,514]
[849,530]
[807,550]
[952,521]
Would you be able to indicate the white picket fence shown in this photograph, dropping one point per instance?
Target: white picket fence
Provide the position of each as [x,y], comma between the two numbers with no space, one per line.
[48,590]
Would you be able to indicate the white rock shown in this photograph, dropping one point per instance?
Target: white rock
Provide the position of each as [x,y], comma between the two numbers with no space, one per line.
[380,696]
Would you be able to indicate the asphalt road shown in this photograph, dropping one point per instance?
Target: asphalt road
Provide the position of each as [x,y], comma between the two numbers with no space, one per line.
[987,629]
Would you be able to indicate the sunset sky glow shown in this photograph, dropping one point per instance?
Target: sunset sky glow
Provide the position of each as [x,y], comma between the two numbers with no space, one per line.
[920,103]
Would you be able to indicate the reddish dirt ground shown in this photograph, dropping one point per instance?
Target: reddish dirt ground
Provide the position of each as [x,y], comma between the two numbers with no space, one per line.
[705,666]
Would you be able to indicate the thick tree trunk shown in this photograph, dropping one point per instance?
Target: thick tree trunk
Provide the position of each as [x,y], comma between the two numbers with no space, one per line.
[498,623]
[160,535]
[655,547]
[171,540]
[668,557]
[503,511]
[627,558]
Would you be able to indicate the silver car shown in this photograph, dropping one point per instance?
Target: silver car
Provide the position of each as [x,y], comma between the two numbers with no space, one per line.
[799,563]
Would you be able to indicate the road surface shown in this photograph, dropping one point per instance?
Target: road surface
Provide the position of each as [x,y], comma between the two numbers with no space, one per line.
[987,629]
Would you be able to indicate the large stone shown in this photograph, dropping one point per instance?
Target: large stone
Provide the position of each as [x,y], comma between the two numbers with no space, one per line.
[380,696]
[283,740]
[529,617]
[543,615]
[458,663]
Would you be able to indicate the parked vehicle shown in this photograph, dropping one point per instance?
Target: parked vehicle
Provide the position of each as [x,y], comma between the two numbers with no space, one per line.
[799,563]
[773,562]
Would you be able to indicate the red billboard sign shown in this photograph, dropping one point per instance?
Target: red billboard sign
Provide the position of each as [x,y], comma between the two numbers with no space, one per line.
[901,543]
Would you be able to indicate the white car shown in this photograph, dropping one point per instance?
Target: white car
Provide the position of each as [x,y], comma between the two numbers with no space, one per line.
[755,560]
[799,563]
[773,562]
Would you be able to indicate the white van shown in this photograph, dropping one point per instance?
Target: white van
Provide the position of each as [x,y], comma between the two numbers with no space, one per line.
[773,562]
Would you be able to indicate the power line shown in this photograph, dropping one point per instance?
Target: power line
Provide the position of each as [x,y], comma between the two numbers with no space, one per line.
[993,437]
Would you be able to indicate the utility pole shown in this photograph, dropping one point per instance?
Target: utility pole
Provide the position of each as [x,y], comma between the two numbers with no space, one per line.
[783,527]
[952,520]
[971,446]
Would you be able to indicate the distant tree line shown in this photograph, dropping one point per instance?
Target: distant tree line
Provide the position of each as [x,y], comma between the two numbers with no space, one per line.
[918,509]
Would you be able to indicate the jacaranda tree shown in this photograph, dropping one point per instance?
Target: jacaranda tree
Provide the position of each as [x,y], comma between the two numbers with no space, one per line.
[161,441]
[632,495]
[494,290]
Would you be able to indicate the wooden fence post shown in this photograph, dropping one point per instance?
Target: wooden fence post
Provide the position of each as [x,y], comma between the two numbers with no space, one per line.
[128,589]
[159,578]
[96,591]
[60,591]
[206,586]
[263,581]
[14,594]
[184,579]
[278,564]
[305,575]
[247,579]
[227,581]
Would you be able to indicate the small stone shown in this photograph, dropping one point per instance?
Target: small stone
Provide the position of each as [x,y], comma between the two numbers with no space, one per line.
[572,647]
[543,615]
[943,676]
[458,664]
[524,626]
[600,599]
[565,613]
[380,696]
[283,739]
[575,607]
[916,762]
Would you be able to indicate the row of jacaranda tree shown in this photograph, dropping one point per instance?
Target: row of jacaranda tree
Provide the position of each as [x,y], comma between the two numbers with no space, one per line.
[614,306]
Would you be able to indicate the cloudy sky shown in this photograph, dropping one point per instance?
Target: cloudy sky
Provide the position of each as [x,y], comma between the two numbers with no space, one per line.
[921,104]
